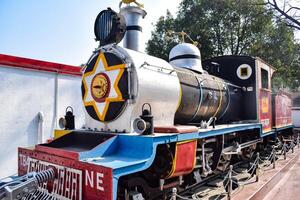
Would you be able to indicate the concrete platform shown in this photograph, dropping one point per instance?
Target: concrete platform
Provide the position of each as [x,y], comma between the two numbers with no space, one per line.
[289,185]
[274,184]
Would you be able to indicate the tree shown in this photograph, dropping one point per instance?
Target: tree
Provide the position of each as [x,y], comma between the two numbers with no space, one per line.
[281,51]
[160,43]
[230,27]
[221,26]
[287,13]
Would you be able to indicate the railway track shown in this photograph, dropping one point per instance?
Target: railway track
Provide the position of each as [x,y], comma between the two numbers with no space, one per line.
[233,183]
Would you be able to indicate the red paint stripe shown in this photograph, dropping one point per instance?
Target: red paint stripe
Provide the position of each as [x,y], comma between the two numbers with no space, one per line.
[58,152]
[27,63]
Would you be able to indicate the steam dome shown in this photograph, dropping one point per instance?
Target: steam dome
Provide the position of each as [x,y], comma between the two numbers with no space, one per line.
[186,55]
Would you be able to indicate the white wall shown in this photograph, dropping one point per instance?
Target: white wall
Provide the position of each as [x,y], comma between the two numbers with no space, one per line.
[23,94]
[296,116]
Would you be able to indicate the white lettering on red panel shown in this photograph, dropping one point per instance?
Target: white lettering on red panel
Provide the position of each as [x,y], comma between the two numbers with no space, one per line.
[67,185]
[94,180]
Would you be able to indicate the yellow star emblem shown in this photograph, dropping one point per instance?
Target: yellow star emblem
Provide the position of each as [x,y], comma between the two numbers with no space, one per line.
[101,85]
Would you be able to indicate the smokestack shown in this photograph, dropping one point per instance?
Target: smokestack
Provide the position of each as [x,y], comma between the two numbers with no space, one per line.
[133,37]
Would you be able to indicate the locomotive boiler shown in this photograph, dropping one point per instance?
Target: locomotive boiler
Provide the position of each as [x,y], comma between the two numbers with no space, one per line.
[152,125]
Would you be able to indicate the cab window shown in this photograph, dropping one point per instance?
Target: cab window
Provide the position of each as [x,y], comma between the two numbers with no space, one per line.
[264,78]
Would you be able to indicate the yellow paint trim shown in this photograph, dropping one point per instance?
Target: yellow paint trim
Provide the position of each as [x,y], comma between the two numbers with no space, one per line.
[89,74]
[119,94]
[92,103]
[265,105]
[195,160]
[60,133]
[180,96]
[173,163]
[106,67]
[220,100]
[119,97]
[267,130]
[85,87]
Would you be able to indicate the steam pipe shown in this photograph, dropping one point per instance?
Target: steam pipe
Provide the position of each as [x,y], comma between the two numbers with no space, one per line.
[133,38]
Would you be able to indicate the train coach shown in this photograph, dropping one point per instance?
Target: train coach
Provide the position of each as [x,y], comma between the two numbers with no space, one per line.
[152,125]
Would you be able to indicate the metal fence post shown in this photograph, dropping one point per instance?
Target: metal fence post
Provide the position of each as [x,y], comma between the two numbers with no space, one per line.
[174,193]
[298,141]
[257,168]
[230,182]
[284,151]
[274,156]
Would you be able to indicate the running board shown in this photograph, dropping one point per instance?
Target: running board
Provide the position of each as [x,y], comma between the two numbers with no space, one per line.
[233,150]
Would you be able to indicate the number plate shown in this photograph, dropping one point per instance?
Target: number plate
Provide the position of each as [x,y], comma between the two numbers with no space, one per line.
[75,180]
[67,185]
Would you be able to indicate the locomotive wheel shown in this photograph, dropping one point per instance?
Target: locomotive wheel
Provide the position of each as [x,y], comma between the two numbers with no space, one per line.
[134,194]
[248,152]
[224,162]
[161,165]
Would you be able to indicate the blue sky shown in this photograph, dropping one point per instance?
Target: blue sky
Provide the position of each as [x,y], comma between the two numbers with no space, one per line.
[61,30]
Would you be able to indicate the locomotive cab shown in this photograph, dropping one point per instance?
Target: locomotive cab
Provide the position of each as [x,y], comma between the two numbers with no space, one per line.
[253,75]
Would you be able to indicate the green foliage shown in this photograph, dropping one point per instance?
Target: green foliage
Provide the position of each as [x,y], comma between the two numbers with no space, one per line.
[282,51]
[220,26]
[230,27]
[160,44]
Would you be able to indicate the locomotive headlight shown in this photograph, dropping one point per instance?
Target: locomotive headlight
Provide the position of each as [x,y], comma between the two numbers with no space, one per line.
[110,27]
[139,125]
